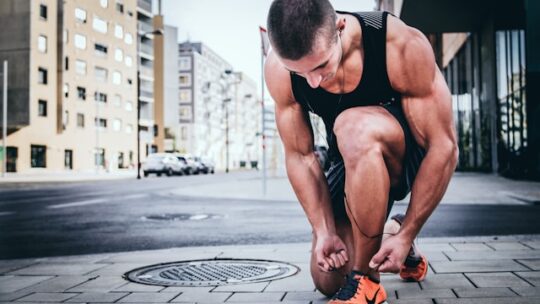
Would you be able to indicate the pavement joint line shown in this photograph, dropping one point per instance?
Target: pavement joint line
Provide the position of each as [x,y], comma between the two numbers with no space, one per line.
[530,247]
[515,292]
[524,279]
[524,265]
[469,279]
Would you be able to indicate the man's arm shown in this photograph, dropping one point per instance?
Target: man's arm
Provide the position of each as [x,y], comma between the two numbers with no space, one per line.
[303,169]
[427,106]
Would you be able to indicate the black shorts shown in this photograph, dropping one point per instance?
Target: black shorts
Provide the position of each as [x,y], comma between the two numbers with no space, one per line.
[414,154]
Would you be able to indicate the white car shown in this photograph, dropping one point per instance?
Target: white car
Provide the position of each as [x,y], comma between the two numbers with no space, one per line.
[162,163]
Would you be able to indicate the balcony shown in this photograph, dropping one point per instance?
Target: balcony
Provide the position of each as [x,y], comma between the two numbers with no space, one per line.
[147,49]
[145,5]
[144,27]
[147,71]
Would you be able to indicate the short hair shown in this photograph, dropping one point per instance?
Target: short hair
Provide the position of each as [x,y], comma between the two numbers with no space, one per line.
[295,25]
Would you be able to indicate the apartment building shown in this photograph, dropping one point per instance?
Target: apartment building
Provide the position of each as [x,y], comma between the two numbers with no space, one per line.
[72,83]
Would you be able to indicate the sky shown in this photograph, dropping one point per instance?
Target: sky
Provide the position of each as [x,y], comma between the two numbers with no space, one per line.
[231,27]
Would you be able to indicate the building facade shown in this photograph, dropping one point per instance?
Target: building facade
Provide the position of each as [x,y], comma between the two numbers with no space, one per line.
[488,53]
[72,84]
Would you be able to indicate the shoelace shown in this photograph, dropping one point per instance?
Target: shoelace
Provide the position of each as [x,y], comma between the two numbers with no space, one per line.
[349,290]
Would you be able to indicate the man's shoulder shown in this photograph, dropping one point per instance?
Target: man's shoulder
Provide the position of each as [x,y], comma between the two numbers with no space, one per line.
[278,80]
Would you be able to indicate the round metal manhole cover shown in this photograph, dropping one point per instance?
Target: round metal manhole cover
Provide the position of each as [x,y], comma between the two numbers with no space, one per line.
[211,272]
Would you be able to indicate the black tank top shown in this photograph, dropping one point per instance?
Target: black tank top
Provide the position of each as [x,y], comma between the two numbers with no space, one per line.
[374,87]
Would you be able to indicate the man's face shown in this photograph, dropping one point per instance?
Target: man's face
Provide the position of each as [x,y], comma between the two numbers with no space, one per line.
[320,65]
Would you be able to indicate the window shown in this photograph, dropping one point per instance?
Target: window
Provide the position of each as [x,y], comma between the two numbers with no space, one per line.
[65,36]
[101,123]
[80,41]
[42,43]
[128,38]
[81,93]
[43,11]
[185,63]
[99,157]
[42,108]
[104,3]
[129,129]
[65,119]
[117,100]
[42,76]
[38,156]
[66,63]
[129,61]
[185,95]
[80,15]
[129,106]
[185,79]
[117,125]
[129,81]
[119,7]
[101,74]
[100,97]
[80,67]
[118,31]
[68,159]
[99,25]
[101,49]
[66,90]
[185,113]
[80,120]
[118,55]
[117,78]
[183,132]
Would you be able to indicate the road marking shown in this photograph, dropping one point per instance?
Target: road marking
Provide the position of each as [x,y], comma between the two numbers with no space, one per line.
[6,213]
[76,204]
[135,196]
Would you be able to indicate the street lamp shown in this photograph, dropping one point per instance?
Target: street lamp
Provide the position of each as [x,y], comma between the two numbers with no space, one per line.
[157,32]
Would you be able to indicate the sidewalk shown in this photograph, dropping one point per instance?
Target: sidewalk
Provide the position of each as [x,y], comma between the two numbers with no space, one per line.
[463,270]
[66,176]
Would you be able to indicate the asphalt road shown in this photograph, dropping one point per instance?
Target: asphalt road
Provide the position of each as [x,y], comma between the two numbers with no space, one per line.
[38,220]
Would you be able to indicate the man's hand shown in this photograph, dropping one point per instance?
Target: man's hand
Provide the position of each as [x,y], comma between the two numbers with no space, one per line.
[330,252]
[391,255]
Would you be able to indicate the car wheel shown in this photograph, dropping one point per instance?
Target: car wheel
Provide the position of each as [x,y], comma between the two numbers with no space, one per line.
[158,174]
[145,174]
[169,172]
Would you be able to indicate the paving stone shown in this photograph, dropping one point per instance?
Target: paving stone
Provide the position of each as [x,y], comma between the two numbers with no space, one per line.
[447,280]
[194,296]
[532,244]
[488,292]
[394,282]
[179,289]
[11,265]
[11,283]
[507,246]
[304,296]
[435,256]
[475,266]
[425,294]
[533,264]
[471,247]
[434,247]
[117,269]
[107,297]
[100,284]
[147,297]
[10,296]
[527,291]
[296,283]
[48,297]
[274,302]
[58,269]
[255,287]
[256,297]
[494,255]
[502,279]
[514,300]
[59,284]
[412,301]
[531,277]
[134,287]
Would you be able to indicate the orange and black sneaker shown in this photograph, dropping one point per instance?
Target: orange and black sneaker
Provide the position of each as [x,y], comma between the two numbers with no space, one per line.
[415,267]
[360,289]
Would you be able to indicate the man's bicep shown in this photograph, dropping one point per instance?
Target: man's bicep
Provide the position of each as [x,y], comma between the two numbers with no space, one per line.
[294,128]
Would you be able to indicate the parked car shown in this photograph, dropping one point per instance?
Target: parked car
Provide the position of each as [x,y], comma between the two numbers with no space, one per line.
[208,164]
[197,164]
[189,166]
[162,163]
[322,154]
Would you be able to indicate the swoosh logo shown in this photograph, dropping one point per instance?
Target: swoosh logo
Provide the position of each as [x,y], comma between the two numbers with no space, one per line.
[372,301]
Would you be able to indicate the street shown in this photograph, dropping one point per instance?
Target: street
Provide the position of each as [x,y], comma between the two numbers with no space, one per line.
[55,219]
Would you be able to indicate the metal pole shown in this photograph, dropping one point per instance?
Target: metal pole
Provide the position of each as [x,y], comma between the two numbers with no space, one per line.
[4,121]
[263,123]
[138,123]
[226,138]
[97,155]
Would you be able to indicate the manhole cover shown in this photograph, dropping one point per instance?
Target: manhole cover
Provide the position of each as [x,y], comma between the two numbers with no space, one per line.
[181,217]
[211,272]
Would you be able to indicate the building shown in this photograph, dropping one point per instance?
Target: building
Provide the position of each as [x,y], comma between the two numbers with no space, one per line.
[219,109]
[488,52]
[72,83]
[145,39]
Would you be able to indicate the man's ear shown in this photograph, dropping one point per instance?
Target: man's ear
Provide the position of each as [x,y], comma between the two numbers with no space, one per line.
[340,23]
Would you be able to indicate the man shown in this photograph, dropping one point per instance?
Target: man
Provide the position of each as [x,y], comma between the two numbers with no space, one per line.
[388,117]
